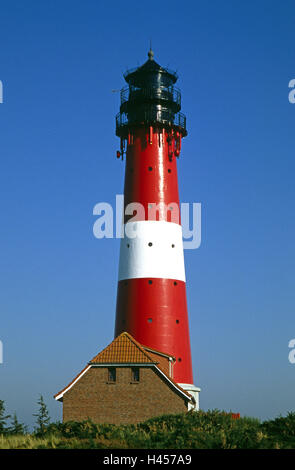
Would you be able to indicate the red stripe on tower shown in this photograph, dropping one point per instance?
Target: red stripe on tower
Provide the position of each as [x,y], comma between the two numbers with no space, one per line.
[151,299]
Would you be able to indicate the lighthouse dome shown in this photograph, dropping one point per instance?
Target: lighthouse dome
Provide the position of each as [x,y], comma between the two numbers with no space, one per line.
[150,73]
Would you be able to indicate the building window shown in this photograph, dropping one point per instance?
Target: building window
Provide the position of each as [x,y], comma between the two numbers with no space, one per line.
[111,374]
[135,374]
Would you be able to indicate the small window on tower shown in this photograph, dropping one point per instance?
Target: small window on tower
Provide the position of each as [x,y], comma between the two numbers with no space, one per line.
[112,374]
[135,374]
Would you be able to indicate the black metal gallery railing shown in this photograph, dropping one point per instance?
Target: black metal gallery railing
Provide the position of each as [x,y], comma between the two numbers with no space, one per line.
[152,116]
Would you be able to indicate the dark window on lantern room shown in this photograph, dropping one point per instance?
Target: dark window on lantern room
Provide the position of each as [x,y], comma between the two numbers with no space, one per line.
[135,374]
[111,374]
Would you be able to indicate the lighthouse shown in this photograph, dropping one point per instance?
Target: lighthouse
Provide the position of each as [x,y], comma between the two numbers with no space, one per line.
[146,371]
[151,292]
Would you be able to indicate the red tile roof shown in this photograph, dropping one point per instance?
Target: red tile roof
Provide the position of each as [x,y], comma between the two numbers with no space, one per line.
[123,349]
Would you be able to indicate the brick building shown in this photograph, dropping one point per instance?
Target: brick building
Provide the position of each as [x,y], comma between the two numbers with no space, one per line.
[125,383]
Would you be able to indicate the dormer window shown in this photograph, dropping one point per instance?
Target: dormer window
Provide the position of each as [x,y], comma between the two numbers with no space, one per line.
[135,374]
[111,374]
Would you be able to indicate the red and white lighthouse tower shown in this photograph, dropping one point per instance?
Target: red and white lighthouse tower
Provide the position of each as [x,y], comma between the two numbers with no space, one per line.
[151,298]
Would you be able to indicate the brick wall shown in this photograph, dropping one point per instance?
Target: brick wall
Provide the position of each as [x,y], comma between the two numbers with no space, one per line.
[121,402]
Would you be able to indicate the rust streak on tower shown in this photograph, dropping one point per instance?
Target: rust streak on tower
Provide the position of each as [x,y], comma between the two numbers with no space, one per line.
[151,297]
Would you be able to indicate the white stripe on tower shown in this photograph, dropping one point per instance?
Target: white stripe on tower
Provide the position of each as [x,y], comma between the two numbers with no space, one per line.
[152,249]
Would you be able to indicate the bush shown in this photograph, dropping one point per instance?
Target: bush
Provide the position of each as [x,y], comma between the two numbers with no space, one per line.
[281,431]
[193,430]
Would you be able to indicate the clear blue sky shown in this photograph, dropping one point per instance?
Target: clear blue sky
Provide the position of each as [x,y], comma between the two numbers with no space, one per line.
[59,62]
